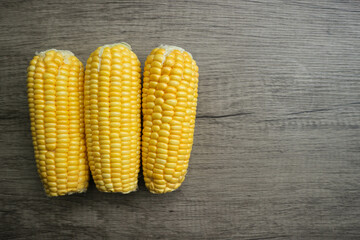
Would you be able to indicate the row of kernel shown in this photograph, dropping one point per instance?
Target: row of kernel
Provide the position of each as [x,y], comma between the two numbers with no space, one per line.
[50,98]
[74,125]
[87,121]
[50,118]
[39,119]
[115,120]
[83,165]
[104,121]
[95,144]
[130,89]
[147,124]
[62,129]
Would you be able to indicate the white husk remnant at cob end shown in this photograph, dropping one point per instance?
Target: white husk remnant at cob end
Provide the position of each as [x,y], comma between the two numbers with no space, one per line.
[66,54]
[169,49]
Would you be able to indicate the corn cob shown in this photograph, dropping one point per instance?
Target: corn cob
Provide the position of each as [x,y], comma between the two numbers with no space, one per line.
[169,101]
[112,117]
[55,96]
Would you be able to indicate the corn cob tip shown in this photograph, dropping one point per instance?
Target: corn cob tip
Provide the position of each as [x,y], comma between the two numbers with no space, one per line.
[66,54]
[169,49]
[128,46]
[101,189]
[65,193]
[125,44]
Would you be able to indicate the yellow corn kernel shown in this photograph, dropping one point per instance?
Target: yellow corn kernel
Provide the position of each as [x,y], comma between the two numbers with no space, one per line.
[169,99]
[113,117]
[55,95]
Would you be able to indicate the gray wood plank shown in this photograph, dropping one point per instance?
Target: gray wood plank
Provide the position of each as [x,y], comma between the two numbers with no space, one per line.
[277,140]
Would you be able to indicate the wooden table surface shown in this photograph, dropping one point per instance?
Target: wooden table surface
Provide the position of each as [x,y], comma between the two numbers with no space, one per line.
[277,139]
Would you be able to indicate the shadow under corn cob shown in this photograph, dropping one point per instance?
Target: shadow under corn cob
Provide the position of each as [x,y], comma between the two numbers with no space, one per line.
[112,117]
[55,96]
[169,102]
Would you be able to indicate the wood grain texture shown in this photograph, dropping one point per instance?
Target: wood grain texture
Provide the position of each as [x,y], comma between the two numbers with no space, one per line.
[277,139]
